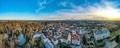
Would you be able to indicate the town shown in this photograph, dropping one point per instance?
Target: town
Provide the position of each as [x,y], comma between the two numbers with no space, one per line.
[59,34]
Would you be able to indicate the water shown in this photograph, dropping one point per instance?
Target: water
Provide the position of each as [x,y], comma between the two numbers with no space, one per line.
[22,39]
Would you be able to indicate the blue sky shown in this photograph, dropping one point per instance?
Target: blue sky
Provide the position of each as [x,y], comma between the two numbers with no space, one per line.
[53,9]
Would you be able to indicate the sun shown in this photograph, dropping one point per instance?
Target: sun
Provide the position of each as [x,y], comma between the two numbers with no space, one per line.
[109,13]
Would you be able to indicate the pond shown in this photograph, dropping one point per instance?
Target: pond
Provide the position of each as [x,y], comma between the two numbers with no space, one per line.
[22,39]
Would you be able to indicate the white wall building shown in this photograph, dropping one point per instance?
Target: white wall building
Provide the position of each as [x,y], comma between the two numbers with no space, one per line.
[101,34]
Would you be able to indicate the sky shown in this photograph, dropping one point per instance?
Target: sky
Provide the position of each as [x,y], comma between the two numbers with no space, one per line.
[59,9]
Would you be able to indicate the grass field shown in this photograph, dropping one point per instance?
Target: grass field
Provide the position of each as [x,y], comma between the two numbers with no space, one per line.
[115,33]
[118,46]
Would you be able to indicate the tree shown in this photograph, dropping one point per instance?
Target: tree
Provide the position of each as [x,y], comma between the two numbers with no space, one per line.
[118,38]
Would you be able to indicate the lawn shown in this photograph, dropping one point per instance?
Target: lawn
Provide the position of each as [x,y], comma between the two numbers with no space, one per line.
[118,46]
[115,33]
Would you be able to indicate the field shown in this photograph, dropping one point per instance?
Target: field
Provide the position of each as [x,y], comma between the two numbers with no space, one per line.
[114,34]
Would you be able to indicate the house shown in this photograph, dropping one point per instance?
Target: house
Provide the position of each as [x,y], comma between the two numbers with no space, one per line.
[76,40]
[90,40]
[54,40]
[83,30]
[69,37]
[63,41]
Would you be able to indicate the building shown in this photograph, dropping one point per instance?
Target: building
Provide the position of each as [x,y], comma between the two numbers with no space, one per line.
[76,42]
[46,41]
[83,30]
[63,41]
[48,44]
[69,38]
[90,40]
[54,41]
[101,34]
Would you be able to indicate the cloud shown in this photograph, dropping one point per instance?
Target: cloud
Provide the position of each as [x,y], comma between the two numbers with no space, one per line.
[73,16]
[42,4]
[19,16]
[64,3]
[90,12]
